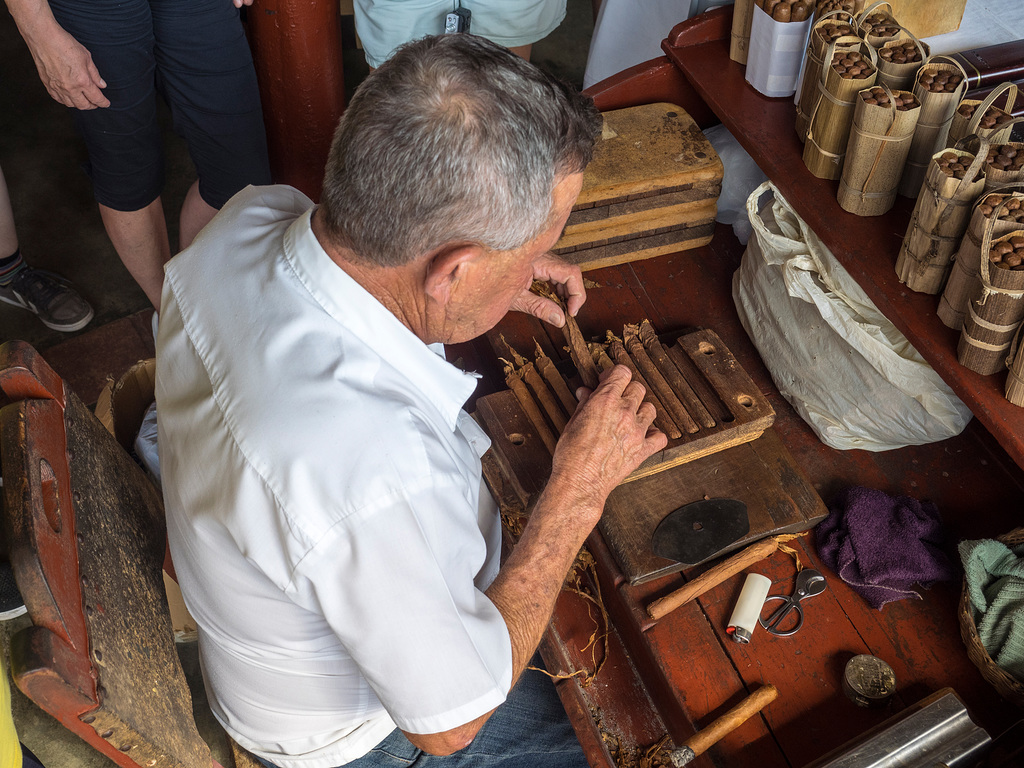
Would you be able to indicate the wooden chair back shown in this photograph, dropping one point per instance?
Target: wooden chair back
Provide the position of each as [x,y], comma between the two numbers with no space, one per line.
[87,536]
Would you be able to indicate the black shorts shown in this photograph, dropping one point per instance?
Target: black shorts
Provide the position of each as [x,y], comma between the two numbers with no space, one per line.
[194,53]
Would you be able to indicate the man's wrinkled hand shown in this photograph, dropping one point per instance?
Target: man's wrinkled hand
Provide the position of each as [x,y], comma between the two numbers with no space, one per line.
[568,282]
[608,437]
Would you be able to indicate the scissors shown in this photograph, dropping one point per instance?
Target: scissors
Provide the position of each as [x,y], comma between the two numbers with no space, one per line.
[809,583]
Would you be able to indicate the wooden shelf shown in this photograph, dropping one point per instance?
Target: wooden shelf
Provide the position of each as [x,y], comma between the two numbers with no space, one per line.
[866,247]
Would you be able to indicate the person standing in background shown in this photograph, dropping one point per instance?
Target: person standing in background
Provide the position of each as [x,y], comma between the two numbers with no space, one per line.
[107,60]
[383,25]
[45,294]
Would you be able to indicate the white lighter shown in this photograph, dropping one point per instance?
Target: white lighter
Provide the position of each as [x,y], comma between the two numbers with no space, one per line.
[748,607]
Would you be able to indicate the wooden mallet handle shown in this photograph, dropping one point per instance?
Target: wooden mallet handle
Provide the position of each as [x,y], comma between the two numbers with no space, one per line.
[703,739]
[755,553]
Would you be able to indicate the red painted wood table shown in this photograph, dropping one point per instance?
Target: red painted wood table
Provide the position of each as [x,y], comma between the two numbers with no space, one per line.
[672,677]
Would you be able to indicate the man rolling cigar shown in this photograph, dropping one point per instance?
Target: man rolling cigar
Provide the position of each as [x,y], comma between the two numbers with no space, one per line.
[325,510]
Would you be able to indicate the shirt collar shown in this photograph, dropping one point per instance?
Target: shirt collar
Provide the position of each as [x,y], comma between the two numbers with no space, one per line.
[361,314]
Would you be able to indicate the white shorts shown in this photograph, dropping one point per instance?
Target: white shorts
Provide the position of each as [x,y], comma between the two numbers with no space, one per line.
[383,25]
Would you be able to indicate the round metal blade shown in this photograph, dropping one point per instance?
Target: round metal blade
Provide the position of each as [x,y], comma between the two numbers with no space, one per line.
[696,531]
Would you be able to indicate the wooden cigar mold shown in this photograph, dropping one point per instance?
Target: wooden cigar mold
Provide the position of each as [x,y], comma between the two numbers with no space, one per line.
[722,440]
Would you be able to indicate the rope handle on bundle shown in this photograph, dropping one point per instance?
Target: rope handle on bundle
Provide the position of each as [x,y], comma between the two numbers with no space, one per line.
[920,46]
[1010,89]
[960,89]
[849,43]
[976,164]
[986,244]
[867,12]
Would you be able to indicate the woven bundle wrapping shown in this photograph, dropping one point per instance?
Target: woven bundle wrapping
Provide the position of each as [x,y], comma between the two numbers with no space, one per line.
[739,42]
[962,126]
[965,276]
[814,61]
[832,118]
[937,109]
[879,142]
[900,75]
[938,222]
[994,310]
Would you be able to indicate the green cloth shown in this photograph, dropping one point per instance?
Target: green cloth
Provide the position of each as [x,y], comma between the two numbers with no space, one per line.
[995,584]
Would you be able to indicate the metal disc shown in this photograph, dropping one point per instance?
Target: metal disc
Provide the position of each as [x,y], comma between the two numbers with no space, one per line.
[696,531]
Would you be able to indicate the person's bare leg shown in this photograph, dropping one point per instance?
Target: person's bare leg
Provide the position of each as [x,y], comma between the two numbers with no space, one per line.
[523,51]
[195,214]
[140,239]
[8,234]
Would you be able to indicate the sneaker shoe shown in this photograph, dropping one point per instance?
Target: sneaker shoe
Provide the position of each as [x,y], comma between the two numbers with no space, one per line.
[11,603]
[49,296]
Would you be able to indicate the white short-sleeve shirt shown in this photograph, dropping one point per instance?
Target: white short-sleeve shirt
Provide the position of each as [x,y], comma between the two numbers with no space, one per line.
[324,502]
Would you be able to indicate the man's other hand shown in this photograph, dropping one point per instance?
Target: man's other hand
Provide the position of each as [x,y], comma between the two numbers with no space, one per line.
[608,437]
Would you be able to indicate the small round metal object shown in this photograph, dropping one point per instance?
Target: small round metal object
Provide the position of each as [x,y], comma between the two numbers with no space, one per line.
[868,681]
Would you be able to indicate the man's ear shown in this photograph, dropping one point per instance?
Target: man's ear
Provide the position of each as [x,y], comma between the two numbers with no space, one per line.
[447,269]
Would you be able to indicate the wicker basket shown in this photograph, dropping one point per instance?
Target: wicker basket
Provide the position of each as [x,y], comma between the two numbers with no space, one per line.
[1006,685]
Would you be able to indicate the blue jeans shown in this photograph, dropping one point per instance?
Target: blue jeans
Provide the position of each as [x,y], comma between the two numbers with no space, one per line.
[530,730]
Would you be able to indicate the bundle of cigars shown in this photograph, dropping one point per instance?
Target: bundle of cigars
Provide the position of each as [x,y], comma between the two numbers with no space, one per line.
[853,46]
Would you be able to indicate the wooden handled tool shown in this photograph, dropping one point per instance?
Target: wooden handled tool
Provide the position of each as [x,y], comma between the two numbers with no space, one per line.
[701,741]
[713,577]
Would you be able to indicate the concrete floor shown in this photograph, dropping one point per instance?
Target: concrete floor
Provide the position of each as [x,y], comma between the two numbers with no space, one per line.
[59,229]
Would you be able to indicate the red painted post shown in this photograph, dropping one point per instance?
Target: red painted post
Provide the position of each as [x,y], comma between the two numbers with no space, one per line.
[296,45]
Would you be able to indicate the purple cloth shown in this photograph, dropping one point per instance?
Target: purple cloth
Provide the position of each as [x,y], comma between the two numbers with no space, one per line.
[882,545]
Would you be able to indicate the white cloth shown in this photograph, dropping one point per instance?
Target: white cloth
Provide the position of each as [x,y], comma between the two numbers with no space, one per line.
[383,25]
[323,494]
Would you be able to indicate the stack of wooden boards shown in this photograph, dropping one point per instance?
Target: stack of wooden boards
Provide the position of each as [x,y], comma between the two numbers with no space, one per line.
[724,446]
[652,188]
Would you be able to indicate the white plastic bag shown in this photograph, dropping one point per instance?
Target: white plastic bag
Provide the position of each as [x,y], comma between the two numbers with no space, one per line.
[842,365]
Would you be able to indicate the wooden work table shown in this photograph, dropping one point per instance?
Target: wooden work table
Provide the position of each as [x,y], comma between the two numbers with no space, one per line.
[675,676]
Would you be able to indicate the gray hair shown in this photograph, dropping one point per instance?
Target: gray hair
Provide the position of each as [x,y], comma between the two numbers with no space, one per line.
[454,139]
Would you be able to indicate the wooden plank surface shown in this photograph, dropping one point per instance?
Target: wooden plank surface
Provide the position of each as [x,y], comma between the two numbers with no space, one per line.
[684,666]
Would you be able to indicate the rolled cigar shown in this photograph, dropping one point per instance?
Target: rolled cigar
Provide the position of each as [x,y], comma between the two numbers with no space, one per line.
[662,419]
[530,406]
[702,740]
[601,358]
[555,381]
[579,352]
[676,409]
[685,392]
[711,578]
[541,393]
